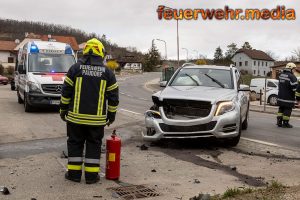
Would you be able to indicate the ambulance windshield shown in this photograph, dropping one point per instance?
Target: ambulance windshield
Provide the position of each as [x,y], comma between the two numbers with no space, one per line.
[50,63]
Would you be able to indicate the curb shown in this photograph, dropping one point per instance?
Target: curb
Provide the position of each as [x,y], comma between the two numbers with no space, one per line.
[148,87]
[272,110]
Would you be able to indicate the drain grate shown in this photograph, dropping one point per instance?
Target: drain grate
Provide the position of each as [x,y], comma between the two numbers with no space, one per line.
[134,192]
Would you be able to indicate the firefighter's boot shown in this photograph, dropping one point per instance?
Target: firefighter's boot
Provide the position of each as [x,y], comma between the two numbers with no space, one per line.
[94,180]
[279,121]
[73,178]
[286,124]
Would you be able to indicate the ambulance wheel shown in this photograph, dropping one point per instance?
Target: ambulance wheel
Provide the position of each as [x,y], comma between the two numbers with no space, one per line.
[20,100]
[28,108]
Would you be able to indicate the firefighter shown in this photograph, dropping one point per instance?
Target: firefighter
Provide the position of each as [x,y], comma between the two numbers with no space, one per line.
[88,103]
[286,95]
[298,93]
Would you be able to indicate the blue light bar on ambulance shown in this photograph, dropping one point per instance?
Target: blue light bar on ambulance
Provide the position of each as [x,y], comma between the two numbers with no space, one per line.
[34,48]
[68,50]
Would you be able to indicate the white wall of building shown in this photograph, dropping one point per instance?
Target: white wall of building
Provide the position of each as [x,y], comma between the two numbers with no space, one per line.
[255,67]
[135,66]
[4,59]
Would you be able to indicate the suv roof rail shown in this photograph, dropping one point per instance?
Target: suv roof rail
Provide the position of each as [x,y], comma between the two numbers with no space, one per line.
[187,64]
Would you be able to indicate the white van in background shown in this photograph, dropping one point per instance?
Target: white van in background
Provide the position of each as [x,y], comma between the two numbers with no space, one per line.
[258,84]
[40,72]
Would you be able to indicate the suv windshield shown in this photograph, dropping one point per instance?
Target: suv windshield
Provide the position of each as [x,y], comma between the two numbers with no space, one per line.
[203,77]
[50,62]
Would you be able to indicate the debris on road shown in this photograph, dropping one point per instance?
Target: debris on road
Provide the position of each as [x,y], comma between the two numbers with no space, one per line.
[196,181]
[201,197]
[153,170]
[233,168]
[97,196]
[63,155]
[144,147]
[4,190]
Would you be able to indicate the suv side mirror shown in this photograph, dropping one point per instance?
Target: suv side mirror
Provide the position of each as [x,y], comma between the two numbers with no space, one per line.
[244,88]
[163,83]
[21,69]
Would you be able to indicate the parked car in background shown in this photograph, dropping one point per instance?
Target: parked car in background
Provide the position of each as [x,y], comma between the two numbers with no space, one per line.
[3,80]
[257,85]
[200,101]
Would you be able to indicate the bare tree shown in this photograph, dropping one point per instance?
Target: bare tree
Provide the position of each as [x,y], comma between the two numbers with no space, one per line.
[296,52]
[272,55]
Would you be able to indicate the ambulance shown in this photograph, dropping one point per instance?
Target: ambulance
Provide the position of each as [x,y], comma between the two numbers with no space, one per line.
[40,71]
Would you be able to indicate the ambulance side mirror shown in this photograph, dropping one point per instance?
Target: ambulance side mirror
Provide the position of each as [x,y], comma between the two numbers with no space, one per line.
[21,69]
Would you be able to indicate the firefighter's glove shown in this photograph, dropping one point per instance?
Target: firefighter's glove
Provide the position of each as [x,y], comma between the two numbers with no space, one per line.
[63,114]
[110,118]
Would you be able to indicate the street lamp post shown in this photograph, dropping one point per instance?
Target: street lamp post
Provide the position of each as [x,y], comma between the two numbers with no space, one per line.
[177,45]
[165,47]
[187,54]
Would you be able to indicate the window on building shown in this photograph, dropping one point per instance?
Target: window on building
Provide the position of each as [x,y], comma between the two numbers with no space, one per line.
[258,63]
[262,63]
[258,73]
[254,63]
[10,59]
[254,72]
[264,72]
[266,64]
[240,64]
[246,63]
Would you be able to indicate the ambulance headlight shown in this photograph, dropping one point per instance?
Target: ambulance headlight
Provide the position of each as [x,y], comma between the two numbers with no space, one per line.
[34,87]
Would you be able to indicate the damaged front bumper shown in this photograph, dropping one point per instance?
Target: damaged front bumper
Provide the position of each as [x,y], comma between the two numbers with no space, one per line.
[158,126]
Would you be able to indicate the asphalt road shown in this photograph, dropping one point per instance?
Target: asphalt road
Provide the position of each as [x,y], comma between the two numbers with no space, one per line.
[261,128]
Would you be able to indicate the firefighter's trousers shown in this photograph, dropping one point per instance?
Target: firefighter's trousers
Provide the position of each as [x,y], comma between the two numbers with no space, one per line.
[91,136]
[285,112]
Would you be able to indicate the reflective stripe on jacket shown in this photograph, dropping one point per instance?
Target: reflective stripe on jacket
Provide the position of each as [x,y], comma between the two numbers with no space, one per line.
[89,91]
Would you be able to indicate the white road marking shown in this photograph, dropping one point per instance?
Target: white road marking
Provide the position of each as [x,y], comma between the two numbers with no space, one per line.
[262,142]
[136,113]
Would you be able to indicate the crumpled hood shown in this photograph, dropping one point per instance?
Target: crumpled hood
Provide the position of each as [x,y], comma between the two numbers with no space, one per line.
[211,94]
[47,78]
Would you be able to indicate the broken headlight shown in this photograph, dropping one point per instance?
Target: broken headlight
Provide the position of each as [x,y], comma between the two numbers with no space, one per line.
[224,107]
[153,113]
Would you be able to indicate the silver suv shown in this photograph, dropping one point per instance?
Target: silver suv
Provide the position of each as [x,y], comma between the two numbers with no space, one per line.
[200,101]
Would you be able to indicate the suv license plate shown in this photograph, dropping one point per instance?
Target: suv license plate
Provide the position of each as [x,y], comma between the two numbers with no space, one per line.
[55,102]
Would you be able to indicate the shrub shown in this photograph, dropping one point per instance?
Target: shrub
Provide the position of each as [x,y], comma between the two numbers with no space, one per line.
[1,70]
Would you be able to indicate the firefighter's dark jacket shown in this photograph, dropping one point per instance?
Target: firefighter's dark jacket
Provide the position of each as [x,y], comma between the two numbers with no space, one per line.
[287,88]
[298,91]
[90,92]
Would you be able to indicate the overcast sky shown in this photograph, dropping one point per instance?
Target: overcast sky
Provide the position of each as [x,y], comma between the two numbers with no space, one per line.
[135,23]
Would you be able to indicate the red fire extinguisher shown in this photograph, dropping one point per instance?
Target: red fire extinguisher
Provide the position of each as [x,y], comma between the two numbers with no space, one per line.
[113,155]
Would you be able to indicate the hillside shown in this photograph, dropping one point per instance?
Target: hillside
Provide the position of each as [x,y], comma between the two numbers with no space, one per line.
[13,29]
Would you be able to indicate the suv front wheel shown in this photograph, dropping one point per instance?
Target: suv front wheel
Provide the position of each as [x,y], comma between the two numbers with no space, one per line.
[232,142]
